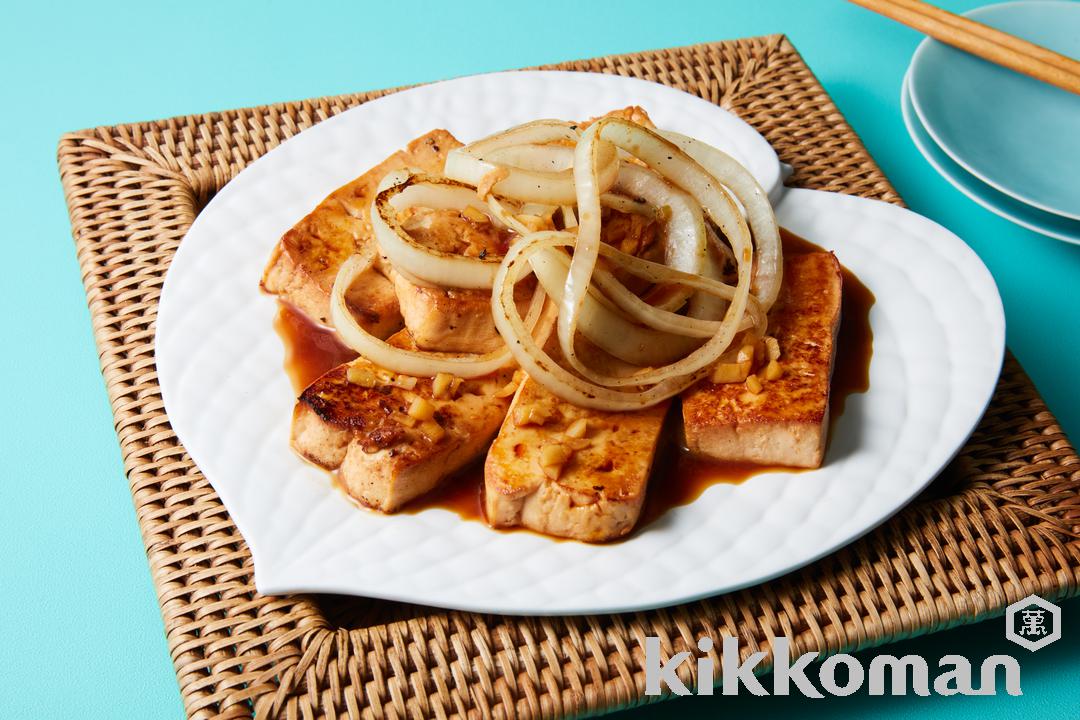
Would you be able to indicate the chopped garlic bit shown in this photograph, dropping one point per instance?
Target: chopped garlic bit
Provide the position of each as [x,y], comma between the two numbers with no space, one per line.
[577,429]
[773,371]
[730,372]
[749,356]
[371,377]
[421,409]
[552,459]
[432,430]
[360,375]
[737,371]
[753,384]
[472,213]
[405,382]
[772,348]
[746,353]
[440,386]
[554,454]
[535,414]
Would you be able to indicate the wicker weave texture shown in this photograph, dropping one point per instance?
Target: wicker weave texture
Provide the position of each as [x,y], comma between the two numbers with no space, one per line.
[1002,521]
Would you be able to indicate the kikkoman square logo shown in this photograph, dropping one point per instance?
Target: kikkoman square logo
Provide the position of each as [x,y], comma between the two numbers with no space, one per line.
[1033,622]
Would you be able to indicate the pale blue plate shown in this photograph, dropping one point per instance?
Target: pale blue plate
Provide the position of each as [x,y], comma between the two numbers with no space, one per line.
[997,202]
[1017,134]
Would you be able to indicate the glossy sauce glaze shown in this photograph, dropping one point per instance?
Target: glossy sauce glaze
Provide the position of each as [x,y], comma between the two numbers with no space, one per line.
[462,493]
[311,350]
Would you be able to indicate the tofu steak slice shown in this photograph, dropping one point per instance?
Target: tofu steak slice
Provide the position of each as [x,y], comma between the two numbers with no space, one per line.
[385,456]
[454,319]
[568,471]
[305,262]
[786,423]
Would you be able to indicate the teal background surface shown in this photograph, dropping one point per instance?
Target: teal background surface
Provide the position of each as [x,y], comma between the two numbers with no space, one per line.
[80,631]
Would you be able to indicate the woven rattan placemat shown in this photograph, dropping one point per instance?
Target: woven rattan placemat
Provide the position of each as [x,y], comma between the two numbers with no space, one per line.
[1001,523]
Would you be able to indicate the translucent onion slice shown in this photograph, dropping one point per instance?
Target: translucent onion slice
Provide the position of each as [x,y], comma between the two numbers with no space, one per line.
[539,209]
[628,205]
[768,273]
[683,231]
[684,239]
[703,305]
[538,364]
[569,217]
[500,211]
[409,277]
[617,295]
[410,362]
[666,337]
[602,322]
[534,132]
[403,190]
[587,246]
[471,163]
[622,334]
[659,318]
[438,194]
[675,165]
[542,158]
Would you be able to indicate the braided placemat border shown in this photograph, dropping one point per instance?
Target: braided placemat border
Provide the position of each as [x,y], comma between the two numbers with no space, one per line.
[1002,522]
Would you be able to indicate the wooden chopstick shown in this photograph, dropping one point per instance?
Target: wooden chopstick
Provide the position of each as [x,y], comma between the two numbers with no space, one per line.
[994,35]
[986,42]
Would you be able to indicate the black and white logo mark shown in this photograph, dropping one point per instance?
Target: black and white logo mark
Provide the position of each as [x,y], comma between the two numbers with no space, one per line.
[1033,622]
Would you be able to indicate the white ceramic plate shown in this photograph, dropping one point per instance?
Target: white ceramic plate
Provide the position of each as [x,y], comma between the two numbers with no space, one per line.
[939,338]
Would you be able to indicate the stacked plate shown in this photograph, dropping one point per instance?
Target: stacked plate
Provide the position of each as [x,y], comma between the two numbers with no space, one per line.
[1007,141]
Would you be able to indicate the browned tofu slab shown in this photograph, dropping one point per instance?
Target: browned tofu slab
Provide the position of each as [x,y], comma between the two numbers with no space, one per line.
[597,494]
[302,268]
[447,319]
[786,423]
[450,319]
[453,319]
[384,457]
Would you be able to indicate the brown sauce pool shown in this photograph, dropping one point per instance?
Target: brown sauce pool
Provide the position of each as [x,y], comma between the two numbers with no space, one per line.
[463,493]
[311,350]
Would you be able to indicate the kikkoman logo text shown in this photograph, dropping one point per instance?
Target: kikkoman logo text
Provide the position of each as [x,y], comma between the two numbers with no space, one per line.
[1031,622]
[885,672]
